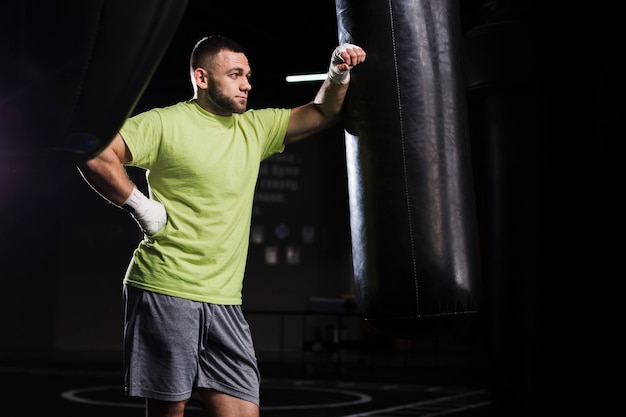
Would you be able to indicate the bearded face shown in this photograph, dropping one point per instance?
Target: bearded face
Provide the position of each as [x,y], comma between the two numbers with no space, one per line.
[220,98]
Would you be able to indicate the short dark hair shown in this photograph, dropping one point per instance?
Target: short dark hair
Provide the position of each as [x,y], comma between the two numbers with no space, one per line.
[209,46]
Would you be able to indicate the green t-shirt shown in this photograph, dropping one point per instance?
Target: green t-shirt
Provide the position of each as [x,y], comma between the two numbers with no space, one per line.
[203,168]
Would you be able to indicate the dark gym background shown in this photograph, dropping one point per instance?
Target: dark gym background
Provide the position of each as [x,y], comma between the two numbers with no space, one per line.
[64,250]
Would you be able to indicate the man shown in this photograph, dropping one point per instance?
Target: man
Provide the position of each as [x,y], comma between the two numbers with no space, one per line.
[184,330]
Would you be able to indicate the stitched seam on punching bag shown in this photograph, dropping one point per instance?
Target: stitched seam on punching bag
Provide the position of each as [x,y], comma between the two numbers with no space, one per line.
[404,165]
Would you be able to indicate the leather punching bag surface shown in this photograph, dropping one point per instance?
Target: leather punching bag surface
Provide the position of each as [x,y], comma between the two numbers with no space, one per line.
[412,205]
[73,71]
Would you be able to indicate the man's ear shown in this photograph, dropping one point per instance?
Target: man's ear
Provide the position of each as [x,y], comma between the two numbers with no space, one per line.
[201,77]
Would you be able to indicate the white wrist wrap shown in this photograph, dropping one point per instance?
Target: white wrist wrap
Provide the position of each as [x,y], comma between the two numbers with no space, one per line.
[335,75]
[150,214]
[135,201]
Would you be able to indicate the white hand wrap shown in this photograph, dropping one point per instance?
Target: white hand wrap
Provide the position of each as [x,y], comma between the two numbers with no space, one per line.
[150,214]
[335,75]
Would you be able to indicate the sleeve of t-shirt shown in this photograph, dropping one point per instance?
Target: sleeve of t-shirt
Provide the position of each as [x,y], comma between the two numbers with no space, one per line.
[272,124]
[142,134]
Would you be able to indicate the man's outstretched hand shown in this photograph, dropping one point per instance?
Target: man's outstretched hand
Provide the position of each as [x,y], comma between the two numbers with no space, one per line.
[343,59]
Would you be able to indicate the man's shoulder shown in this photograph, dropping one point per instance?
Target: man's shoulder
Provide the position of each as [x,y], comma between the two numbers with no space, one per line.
[174,111]
[264,113]
[176,107]
[172,108]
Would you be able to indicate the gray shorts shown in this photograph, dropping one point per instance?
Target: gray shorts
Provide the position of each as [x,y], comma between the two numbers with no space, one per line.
[173,345]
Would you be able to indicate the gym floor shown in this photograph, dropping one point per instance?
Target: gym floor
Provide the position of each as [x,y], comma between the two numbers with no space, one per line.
[83,389]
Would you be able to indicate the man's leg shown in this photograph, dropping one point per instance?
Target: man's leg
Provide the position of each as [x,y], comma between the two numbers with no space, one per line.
[159,408]
[219,404]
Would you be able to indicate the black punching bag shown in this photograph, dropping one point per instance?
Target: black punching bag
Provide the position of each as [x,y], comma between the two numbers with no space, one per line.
[412,206]
[73,71]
